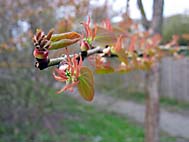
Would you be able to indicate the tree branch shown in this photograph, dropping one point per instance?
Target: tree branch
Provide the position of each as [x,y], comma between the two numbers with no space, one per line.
[127,7]
[56,61]
[43,64]
[145,22]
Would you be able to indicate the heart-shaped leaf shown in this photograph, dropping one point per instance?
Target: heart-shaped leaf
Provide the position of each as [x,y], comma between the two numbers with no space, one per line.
[86,84]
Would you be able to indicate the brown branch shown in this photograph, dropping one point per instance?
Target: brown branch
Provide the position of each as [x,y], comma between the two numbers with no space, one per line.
[43,64]
[145,21]
[56,61]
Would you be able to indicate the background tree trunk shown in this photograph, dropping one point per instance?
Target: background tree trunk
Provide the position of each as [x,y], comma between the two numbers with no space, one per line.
[152,105]
[152,78]
[152,114]
[157,18]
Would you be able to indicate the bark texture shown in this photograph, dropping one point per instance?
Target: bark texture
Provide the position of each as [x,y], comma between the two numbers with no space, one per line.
[152,105]
[157,17]
[152,77]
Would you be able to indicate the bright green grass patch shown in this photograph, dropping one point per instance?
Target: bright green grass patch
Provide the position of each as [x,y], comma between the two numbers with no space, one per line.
[85,123]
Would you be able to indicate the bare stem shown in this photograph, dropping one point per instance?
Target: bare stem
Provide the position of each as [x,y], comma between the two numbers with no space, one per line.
[55,61]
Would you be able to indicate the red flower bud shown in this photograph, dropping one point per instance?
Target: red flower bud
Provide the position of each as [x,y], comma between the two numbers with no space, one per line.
[84,45]
[40,54]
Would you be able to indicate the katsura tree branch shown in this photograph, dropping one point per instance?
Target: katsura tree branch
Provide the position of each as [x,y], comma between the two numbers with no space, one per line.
[43,64]
[56,61]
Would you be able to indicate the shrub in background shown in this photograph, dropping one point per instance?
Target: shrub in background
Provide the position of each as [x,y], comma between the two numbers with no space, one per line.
[176,25]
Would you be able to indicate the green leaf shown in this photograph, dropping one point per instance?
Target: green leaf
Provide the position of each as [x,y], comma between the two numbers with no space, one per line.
[68,35]
[62,43]
[104,70]
[63,40]
[86,84]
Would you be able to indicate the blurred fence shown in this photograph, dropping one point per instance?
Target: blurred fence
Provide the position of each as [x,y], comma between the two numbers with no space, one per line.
[174,79]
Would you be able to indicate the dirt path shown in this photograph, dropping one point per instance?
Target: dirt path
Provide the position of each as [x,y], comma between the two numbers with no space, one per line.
[174,124]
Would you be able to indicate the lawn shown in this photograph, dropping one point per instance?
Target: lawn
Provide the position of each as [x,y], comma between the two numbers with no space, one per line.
[67,120]
[76,122]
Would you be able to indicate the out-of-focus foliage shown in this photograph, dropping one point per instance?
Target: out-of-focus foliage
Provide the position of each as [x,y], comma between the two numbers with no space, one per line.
[23,100]
[176,25]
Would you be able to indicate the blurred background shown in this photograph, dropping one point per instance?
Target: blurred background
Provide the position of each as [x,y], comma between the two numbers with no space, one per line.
[30,109]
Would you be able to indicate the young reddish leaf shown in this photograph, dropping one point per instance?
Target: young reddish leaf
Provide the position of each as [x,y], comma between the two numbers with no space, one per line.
[107,24]
[119,51]
[86,84]
[84,45]
[68,35]
[62,43]
[49,35]
[132,43]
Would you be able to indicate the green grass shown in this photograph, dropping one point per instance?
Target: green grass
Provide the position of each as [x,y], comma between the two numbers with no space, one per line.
[84,123]
[72,121]
[140,97]
[174,104]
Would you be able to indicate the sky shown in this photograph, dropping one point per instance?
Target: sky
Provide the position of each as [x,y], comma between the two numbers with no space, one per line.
[171,7]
